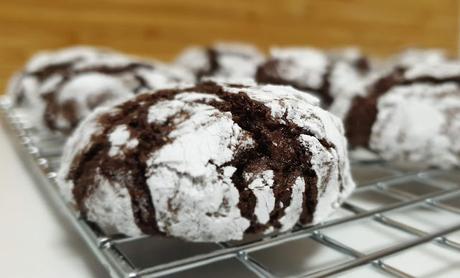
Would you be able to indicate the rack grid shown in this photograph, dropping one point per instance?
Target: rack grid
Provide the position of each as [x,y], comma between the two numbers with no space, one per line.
[384,193]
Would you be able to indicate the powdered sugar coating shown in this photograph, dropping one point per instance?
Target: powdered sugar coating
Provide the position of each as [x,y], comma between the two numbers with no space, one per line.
[302,109]
[221,60]
[336,77]
[286,102]
[414,56]
[30,85]
[75,144]
[193,199]
[110,206]
[66,55]
[261,184]
[409,66]
[120,138]
[351,55]
[435,70]
[419,124]
[347,84]
[303,66]
[195,59]
[190,180]
[409,114]
[60,88]
[293,211]
[86,91]
[415,63]
[350,75]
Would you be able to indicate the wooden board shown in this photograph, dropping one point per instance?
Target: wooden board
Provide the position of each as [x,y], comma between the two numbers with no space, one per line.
[162,28]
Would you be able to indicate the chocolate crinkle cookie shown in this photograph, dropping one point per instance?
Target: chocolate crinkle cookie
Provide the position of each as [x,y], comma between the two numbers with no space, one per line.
[351,83]
[410,115]
[221,60]
[57,89]
[339,74]
[211,162]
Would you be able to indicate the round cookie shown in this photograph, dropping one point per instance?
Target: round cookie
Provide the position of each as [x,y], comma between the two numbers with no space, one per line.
[410,115]
[59,88]
[338,74]
[351,84]
[221,60]
[211,162]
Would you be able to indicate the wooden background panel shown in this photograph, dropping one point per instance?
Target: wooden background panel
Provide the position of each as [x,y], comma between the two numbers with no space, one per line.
[162,28]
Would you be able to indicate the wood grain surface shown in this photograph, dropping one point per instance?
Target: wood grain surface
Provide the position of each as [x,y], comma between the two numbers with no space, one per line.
[161,29]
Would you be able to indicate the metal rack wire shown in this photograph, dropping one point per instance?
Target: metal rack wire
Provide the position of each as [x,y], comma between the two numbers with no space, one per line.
[400,190]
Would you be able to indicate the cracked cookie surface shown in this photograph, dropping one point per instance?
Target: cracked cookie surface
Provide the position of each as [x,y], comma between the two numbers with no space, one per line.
[410,115]
[58,89]
[211,162]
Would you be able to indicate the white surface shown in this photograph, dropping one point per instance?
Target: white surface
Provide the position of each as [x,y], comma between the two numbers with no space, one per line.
[35,240]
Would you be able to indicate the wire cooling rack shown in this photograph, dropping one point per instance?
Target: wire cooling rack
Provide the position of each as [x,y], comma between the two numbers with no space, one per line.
[393,212]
